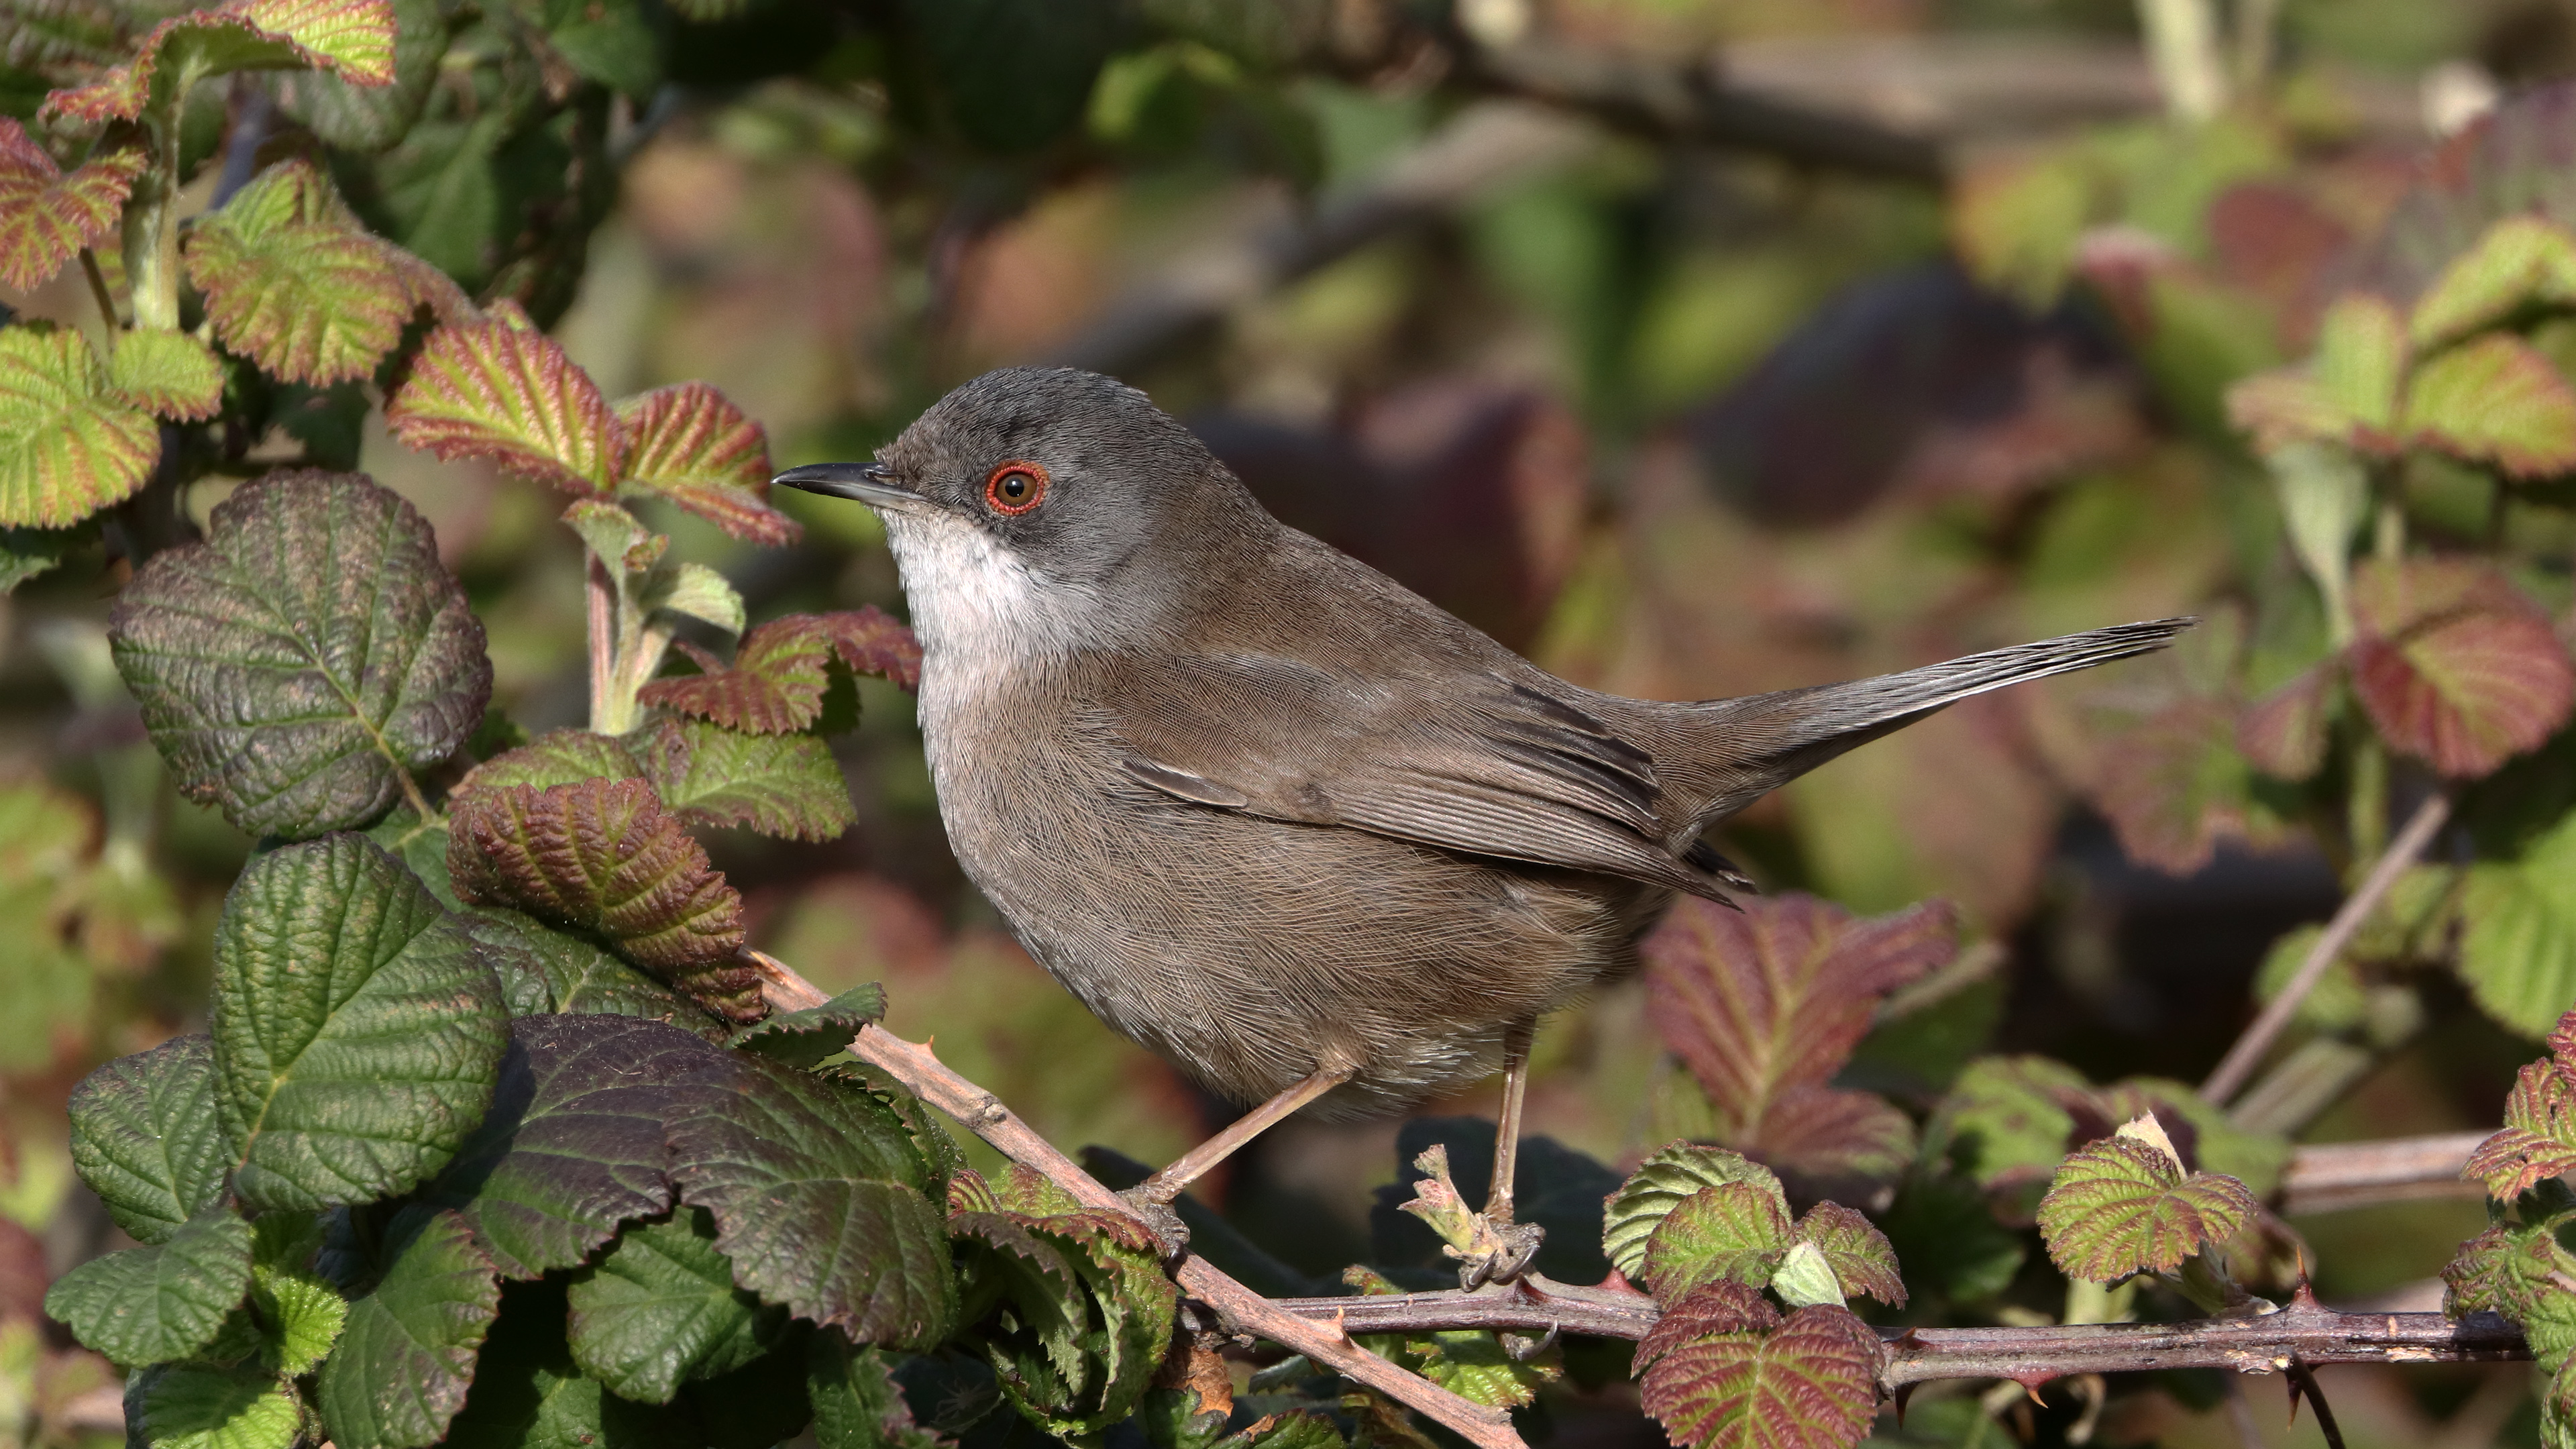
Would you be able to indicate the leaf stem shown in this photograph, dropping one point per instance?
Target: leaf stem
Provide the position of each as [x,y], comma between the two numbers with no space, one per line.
[2248,1051]
[99,293]
[602,591]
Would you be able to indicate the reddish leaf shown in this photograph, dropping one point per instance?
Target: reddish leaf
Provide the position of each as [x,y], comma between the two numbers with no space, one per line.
[1721,1370]
[294,282]
[1775,996]
[46,216]
[600,856]
[171,374]
[1831,1140]
[2496,399]
[1863,1261]
[2539,1137]
[69,445]
[2121,1206]
[2175,785]
[694,447]
[775,684]
[354,38]
[2455,666]
[2283,734]
[502,390]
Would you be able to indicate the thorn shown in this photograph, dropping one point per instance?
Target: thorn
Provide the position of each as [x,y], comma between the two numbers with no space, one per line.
[2303,1298]
[1904,1395]
[1341,1324]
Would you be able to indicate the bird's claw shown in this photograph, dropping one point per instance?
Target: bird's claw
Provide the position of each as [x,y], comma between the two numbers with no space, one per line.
[1515,1244]
[1171,1235]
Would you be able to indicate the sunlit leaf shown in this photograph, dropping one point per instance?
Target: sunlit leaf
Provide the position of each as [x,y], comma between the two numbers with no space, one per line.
[149,1305]
[694,447]
[1736,1232]
[171,374]
[2518,954]
[783,785]
[146,1138]
[352,37]
[502,390]
[1723,1370]
[406,1357]
[1863,1262]
[1662,1183]
[2349,392]
[309,651]
[2121,1206]
[46,217]
[2496,399]
[2518,260]
[776,681]
[188,1406]
[363,117]
[2539,1137]
[70,445]
[804,1038]
[295,282]
[2454,666]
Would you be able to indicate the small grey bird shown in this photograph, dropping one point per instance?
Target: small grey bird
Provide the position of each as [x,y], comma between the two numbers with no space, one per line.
[1273,815]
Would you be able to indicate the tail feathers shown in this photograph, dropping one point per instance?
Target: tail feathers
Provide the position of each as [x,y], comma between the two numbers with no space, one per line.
[1774,738]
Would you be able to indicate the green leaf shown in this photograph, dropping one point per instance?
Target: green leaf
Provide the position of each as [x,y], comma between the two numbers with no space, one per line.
[353,37]
[151,1305]
[1474,1365]
[146,1138]
[46,217]
[2496,399]
[2518,954]
[692,591]
[357,1031]
[167,373]
[69,444]
[369,118]
[421,848]
[804,1038]
[28,552]
[1722,1370]
[557,757]
[2006,1120]
[2455,666]
[600,856]
[2361,360]
[857,1404]
[406,1357]
[312,649]
[814,1186]
[1735,1231]
[296,283]
[2519,260]
[1660,1184]
[528,1394]
[305,1315]
[611,43]
[2538,1141]
[783,785]
[775,684]
[695,448]
[1862,1260]
[500,389]
[546,971]
[661,1308]
[1015,73]
[186,1406]
[2121,1206]
[2520,1270]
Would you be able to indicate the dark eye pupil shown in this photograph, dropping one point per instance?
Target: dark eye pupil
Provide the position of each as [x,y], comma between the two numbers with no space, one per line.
[1015,486]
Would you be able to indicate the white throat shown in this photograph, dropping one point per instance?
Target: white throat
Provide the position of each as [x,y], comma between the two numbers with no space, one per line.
[980,610]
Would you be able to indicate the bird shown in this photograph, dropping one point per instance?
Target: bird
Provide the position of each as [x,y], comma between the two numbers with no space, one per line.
[1274,816]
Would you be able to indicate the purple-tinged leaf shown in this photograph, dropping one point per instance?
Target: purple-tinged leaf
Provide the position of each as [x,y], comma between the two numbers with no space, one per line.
[1735,1232]
[1661,1184]
[2455,666]
[694,447]
[2539,1137]
[352,37]
[2283,734]
[1723,1370]
[295,282]
[502,390]
[70,445]
[1863,1261]
[46,217]
[776,681]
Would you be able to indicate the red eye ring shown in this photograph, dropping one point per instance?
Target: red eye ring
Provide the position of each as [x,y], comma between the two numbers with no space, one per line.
[1016,487]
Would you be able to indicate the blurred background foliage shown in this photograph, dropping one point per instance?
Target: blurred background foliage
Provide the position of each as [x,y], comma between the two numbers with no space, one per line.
[1694,347]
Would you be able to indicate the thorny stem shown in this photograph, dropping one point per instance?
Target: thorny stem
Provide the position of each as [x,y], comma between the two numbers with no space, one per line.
[2248,1052]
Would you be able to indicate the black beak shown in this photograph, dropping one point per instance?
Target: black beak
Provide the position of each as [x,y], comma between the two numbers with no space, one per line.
[866,482]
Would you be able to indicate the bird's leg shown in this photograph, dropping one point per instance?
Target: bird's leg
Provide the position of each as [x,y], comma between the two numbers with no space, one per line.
[1190,1166]
[1515,1243]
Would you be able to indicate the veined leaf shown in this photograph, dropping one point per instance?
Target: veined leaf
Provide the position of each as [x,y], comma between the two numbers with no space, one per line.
[557,757]
[357,1032]
[2121,1206]
[311,649]
[2454,666]
[600,856]
[2518,954]
[352,37]
[2496,399]
[775,684]
[1723,1370]
[167,373]
[660,1308]
[296,283]
[1862,1260]
[355,38]
[189,1406]
[783,785]
[2347,394]
[366,118]
[804,1038]
[406,1357]
[1662,1183]
[1734,1232]
[502,390]
[2539,1137]
[2006,1118]
[69,444]
[46,217]
[544,971]
[146,1138]
[857,1404]
[694,447]
[2283,734]
[300,1311]
[150,1305]
[2520,259]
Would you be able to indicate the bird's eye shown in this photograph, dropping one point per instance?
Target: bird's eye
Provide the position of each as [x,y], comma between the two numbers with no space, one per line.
[1016,487]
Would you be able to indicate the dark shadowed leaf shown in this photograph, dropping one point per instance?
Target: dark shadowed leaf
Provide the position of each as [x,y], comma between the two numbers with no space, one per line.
[2121,1206]
[2538,1141]
[295,282]
[1662,1183]
[694,447]
[2496,399]
[502,390]
[357,1031]
[782,785]
[528,1393]
[814,1185]
[1736,1231]
[804,1038]
[310,650]
[26,553]
[1829,1139]
[1015,73]
[406,1357]
[190,1406]
[857,1404]
[2454,665]
[2006,1118]
[150,1305]
[1723,1370]
[46,217]
[775,683]
[660,1307]
[368,118]
[146,1138]
[599,856]
[70,444]
[1863,1261]
[544,970]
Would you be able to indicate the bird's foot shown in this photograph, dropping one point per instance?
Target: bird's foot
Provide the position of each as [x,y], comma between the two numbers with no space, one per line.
[1501,1253]
[1171,1235]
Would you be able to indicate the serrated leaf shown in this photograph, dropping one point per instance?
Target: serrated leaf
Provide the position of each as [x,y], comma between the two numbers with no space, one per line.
[2518,260]
[804,1038]
[814,1186]
[575,1142]
[353,37]
[660,1308]
[406,1357]
[2454,666]
[695,448]
[69,445]
[367,118]
[1474,1365]
[1027,1292]
[2119,1206]
[1735,1231]
[2496,399]
[545,971]
[296,283]
[2006,1117]
[857,1404]
[1804,1277]
[600,856]
[2538,1141]
[357,1032]
[1862,1260]
[617,537]
[2176,785]
[186,1406]
[500,390]
[1660,1184]
[146,1139]
[694,591]
[1729,1373]
[775,683]
[46,217]
[304,1315]
[2519,1270]
[783,785]
[2518,954]
[557,757]
[152,1304]
[170,374]
[309,651]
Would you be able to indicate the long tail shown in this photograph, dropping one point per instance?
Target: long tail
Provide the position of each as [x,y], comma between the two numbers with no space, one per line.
[1755,744]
